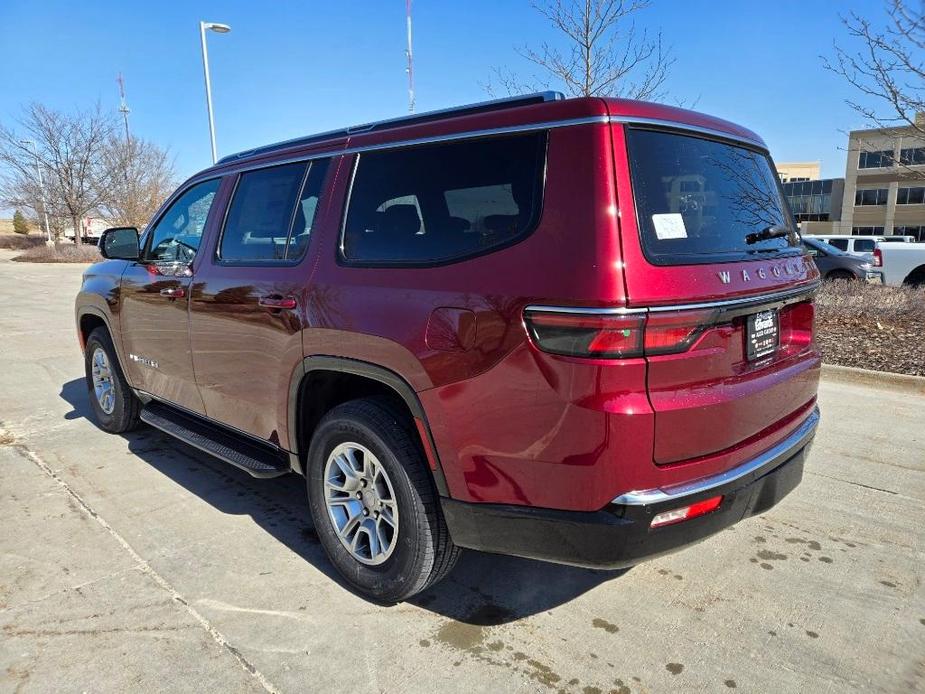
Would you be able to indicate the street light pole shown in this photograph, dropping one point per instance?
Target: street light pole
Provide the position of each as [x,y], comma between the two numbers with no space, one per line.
[219,29]
[38,171]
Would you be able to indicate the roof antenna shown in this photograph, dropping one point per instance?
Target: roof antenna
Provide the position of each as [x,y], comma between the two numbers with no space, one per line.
[123,107]
[410,68]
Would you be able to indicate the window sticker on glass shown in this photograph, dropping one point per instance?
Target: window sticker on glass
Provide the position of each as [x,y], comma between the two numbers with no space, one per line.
[669,226]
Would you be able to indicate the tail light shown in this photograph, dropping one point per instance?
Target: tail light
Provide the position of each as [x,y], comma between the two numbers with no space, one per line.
[616,335]
[878,258]
[585,334]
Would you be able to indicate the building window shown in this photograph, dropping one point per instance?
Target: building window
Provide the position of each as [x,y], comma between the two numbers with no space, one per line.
[875,160]
[911,196]
[810,201]
[918,232]
[912,156]
[867,231]
[870,196]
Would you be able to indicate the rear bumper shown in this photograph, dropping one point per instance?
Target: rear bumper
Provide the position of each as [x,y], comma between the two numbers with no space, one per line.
[619,535]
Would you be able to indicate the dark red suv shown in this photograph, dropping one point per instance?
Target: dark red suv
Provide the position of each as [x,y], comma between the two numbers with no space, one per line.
[575,330]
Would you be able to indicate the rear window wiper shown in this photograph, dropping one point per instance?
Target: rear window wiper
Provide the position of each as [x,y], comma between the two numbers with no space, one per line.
[771,232]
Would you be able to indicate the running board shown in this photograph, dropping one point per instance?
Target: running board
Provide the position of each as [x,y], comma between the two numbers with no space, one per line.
[253,458]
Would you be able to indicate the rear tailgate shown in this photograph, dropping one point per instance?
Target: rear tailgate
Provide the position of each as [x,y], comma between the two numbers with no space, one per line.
[707,246]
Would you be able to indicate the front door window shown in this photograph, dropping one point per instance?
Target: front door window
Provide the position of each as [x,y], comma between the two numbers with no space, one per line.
[176,236]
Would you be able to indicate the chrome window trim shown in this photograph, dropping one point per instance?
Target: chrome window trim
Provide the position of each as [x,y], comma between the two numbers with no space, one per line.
[245,166]
[657,122]
[741,301]
[770,458]
[617,311]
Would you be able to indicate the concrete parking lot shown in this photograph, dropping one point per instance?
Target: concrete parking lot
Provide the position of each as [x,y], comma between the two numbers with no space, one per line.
[135,563]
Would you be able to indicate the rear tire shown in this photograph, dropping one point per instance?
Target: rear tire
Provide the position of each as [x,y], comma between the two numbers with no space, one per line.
[383,561]
[114,405]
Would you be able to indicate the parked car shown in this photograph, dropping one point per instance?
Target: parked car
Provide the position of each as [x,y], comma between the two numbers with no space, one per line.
[901,263]
[861,246]
[836,264]
[574,330]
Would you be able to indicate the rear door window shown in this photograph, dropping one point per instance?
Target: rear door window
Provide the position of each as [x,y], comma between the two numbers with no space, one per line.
[698,200]
[864,245]
[840,244]
[257,227]
[444,202]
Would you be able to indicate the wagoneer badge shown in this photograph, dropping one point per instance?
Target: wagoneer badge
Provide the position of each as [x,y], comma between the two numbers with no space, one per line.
[791,267]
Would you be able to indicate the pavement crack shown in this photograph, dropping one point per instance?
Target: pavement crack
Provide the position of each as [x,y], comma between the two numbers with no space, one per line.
[148,570]
[855,484]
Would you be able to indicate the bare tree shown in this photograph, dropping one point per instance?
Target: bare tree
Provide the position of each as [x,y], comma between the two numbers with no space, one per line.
[140,176]
[606,55]
[884,65]
[68,150]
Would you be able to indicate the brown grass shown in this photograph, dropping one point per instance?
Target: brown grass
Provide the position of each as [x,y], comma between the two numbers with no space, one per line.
[872,327]
[18,242]
[60,253]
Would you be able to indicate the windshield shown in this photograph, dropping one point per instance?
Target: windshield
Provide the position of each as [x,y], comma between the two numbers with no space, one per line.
[699,200]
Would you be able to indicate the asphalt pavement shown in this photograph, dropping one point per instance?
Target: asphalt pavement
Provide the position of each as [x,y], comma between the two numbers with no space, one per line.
[136,563]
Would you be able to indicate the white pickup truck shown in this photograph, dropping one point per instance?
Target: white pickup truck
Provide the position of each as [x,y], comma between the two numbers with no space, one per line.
[901,263]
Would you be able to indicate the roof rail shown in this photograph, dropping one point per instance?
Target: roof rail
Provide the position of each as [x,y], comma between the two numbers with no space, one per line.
[479,107]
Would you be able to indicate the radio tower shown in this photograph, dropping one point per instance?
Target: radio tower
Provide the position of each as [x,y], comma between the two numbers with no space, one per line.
[410,68]
[123,107]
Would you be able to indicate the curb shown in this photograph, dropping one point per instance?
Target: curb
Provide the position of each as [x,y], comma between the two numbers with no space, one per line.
[877,379]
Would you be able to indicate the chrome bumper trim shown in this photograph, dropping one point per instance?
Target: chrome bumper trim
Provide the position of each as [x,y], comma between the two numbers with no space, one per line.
[742,301]
[770,458]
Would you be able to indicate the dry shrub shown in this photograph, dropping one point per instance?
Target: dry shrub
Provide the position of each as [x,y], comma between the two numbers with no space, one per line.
[872,327]
[19,242]
[853,300]
[60,253]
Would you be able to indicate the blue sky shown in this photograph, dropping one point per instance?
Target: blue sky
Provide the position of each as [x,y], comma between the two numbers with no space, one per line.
[291,68]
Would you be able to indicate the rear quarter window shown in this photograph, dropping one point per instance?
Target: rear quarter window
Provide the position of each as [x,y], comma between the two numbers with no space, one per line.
[445,202]
[697,200]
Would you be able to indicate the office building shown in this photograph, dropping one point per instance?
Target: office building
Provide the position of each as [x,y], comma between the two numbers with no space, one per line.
[884,191]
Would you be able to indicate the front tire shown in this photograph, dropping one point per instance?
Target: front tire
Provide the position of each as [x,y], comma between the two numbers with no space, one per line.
[114,405]
[373,502]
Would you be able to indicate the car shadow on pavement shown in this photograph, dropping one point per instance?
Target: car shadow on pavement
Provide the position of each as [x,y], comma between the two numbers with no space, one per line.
[483,589]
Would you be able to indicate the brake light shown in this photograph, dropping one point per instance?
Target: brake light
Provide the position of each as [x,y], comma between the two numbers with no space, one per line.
[586,335]
[701,508]
[674,331]
[878,258]
[615,335]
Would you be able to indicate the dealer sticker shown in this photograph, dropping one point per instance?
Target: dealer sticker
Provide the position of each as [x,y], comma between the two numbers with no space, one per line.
[669,226]
[762,334]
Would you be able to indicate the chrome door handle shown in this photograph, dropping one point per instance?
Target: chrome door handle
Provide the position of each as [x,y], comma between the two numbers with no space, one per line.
[277,302]
[174,292]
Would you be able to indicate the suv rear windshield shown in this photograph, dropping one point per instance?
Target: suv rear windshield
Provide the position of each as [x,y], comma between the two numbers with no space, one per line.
[697,200]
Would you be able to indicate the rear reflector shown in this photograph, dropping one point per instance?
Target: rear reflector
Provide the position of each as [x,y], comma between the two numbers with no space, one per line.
[701,508]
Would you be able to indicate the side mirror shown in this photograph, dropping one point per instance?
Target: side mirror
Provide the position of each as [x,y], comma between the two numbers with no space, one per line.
[120,243]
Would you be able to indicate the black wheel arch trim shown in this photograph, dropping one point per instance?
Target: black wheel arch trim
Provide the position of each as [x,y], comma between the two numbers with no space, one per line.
[368,370]
[116,341]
